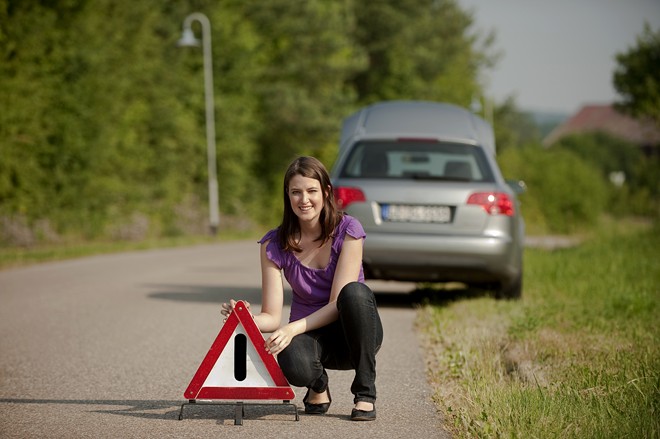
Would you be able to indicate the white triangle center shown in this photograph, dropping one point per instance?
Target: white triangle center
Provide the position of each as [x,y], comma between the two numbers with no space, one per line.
[223,374]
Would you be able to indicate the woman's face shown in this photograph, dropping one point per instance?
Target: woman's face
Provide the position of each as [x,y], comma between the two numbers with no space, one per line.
[306,197]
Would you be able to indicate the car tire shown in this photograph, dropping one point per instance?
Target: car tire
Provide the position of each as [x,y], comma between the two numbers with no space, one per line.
[512,291]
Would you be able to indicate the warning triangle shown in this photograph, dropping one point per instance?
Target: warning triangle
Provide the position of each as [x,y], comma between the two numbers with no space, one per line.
[241,369]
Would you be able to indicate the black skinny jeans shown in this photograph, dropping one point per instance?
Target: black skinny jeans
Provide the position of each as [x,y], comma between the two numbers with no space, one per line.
[350,343]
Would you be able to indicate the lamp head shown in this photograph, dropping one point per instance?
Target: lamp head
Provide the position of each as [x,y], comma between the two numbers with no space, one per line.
[188,39]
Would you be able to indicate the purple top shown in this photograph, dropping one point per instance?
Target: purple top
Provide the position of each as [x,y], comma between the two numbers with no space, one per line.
[311,286]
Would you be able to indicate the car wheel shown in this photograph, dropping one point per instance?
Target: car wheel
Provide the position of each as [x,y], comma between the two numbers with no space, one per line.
[511,291]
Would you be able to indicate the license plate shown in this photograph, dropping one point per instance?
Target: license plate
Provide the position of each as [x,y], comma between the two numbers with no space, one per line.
[415,213]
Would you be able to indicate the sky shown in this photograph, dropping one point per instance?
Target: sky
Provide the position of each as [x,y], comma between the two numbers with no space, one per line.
[558,55]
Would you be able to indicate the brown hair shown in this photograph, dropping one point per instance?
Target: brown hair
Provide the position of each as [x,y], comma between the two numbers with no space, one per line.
[290,228]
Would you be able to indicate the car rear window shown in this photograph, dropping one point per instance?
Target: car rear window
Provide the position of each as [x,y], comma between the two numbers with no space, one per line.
[417,160]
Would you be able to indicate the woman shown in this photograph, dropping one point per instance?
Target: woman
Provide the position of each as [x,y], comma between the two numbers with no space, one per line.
[334,322]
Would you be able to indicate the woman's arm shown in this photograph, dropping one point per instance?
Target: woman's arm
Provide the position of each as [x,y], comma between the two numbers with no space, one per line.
[348,270]
[348,265]
[272,294]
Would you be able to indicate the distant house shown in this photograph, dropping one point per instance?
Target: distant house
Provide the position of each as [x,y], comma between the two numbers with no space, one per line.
[607,119]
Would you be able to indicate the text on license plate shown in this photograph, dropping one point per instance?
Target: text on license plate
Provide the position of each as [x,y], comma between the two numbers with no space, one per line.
[415,213]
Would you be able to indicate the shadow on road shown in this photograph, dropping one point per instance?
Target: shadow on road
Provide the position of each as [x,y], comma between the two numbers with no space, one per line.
[203,294]
[392,298]
[167,410]
[137,408]
[422,296]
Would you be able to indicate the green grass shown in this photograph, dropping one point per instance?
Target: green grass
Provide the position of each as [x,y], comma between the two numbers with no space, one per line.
[578,356]
[11,257]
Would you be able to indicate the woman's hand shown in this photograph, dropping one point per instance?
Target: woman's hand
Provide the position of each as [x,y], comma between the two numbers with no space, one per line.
[228,308]
[280,339]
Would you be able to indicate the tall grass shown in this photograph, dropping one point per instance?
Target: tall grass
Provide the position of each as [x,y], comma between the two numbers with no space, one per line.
[578,356]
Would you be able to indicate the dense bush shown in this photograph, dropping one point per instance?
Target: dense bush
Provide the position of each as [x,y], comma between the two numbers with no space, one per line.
[564,193]
[102,127]
[638,189]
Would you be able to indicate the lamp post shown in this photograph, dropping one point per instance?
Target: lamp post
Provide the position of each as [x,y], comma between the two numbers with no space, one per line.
[188,40]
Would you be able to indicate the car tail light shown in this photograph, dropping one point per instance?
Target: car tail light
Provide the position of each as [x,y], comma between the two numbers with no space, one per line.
[495,203]
[347,195]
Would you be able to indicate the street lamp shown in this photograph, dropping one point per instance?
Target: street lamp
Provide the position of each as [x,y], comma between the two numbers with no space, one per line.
[188,40]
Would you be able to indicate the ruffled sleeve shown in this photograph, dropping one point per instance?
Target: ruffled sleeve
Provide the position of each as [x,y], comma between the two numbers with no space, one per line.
[354,228]
[348,226]
[273,251]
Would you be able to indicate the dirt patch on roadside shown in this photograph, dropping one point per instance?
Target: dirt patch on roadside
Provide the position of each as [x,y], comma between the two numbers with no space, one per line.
[519,362]
[479,353]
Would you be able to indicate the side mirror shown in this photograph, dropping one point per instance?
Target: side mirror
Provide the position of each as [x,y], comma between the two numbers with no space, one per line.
[518,186]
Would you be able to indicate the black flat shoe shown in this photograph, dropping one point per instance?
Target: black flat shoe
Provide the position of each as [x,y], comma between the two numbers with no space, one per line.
[363,415]
[316,409]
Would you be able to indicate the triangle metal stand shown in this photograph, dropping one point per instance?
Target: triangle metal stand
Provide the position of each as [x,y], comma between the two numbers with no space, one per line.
[239,408]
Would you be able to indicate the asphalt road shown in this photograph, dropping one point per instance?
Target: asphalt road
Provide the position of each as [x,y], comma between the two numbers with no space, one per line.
[104,347]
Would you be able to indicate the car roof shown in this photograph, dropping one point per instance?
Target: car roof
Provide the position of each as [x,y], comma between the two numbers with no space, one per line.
[417,119]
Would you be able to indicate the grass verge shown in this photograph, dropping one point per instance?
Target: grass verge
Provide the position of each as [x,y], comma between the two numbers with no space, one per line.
[578,356]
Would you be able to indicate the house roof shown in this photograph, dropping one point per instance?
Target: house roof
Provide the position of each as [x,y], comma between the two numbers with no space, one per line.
[607,119]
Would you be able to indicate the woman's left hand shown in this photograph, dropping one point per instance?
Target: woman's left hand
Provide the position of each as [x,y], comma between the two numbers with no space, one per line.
[279,340]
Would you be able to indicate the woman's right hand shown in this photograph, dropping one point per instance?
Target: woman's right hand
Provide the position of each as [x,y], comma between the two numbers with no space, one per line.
[228,308]
[280,339]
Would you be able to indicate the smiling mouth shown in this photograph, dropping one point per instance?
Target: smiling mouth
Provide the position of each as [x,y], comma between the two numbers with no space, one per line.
[305,208]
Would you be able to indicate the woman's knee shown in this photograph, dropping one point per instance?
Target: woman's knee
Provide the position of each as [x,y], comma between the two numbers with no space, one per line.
[355,293]
[296,364]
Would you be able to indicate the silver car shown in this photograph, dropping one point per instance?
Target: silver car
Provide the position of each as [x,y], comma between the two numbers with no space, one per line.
[422,179]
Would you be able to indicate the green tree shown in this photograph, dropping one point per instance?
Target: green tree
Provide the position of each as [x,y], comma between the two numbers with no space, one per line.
[564,193]
[95,124]
[513,128]
[637,76]
[418,49]
[638,192]
[102,128]
[608,154]
[307,57]
[33,169]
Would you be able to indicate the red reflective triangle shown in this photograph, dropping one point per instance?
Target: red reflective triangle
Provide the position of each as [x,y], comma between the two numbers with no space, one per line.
[279,388]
